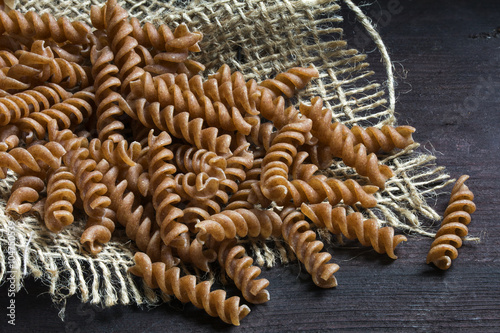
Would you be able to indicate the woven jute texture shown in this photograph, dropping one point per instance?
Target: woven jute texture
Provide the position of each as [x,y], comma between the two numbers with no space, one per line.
[259,38]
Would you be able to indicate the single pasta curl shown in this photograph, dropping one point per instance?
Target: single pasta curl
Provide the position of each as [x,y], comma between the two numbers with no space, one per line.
[453,227]
[9,137]
[342,143]
[114,19]
[186,289]
[239,267]
[298,234]
[24,192]
[354,226]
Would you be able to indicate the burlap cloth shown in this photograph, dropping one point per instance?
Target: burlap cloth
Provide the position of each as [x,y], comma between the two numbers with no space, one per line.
[259,38]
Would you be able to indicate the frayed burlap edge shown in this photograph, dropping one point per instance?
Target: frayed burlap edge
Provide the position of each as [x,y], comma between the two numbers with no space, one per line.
[259,38]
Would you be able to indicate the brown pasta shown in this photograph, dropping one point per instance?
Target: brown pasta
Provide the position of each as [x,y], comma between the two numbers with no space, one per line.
[161,179]
[239,267]
[186,289]
[453,227]
[61,195]
[298,234]
[32,25]
[343,145]
[17,106]
[354,226]
[24,192]
[68,114]
[117,122]
[242,222]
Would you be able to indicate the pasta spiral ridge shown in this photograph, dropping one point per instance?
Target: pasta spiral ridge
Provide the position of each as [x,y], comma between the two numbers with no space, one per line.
[173,46]
[31,157]
[39,66]
[240,222]
[182,126]
[9,137]
[387,138]
[161,184]
[43,27]
[20,105]
[298,234]
[195,253]
[342,144]
[354,226]
[453,227]
[68,114]
[186,290]
[24,192]
[289,82]
[61,195]
[120,154]
[239,267]
[190,159]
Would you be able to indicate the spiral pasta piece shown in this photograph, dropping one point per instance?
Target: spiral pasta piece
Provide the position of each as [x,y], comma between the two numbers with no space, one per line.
[24,192]
[61,195]
[240,222]
[342,143]
[40,66]
[110,104]
[17,106]
[186,289]
[173,46]
[298,234]
[162,182]
[100,223]
[190,159]
[114,19]
[195,253]
[239,267]
[137,219]
[49,154]
[32,25]
[68,114]
[453,227]
[387,138]
[289,82]
[354,226]
[218,105]
[279,158]
[182,126]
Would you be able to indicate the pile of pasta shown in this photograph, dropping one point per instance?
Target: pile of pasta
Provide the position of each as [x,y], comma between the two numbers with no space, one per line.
[117,121]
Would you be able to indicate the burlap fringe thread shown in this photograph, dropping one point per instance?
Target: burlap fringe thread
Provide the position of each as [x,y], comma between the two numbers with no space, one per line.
[259,38]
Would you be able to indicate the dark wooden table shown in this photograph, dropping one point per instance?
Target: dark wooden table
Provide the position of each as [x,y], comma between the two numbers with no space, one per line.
[447,59]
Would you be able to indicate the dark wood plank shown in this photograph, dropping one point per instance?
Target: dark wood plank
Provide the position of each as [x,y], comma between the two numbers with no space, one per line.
[449,90]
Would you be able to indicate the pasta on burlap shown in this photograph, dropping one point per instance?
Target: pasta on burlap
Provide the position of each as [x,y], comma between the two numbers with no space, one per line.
[120,123]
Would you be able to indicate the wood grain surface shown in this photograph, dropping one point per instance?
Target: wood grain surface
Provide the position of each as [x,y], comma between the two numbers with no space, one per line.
[447,61]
